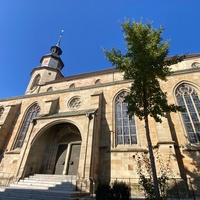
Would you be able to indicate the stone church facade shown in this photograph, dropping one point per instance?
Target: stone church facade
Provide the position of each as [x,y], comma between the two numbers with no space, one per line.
[78,125]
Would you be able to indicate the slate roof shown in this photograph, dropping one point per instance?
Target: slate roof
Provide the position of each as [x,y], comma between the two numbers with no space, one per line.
[66,114]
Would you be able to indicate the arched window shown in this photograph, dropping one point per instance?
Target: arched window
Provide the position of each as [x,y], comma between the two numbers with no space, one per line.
[97,82]
[188,98]
[35,82]
[1,110]
[125,126]
[32,112]
[72,86]
[50,89]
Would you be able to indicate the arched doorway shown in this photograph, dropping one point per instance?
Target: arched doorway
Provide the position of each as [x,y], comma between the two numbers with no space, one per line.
[55,151]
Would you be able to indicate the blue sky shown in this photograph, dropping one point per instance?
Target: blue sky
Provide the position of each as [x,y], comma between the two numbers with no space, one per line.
[28,28]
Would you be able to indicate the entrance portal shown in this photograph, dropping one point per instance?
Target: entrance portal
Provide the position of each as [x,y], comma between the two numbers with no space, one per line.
[55,151]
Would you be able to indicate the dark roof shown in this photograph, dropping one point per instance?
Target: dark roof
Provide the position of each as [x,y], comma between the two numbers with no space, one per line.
[105,71]
[85,75]
[67,114]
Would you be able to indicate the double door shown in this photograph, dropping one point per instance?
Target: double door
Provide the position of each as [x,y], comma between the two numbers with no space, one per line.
[67,159]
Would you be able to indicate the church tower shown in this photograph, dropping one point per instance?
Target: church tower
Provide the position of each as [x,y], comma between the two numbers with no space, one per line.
[49,69]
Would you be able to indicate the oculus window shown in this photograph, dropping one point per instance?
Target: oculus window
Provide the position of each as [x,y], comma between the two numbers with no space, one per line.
[74,103]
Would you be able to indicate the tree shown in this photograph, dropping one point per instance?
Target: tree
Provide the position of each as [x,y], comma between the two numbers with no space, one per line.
[145,62]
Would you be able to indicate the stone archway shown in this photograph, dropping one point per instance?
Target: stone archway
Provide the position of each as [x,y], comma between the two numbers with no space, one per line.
[55,151]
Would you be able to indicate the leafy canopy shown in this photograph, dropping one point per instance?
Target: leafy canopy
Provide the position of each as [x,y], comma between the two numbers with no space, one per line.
[145,63]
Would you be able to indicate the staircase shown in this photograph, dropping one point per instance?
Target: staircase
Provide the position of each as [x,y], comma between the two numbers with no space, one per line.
[43,187]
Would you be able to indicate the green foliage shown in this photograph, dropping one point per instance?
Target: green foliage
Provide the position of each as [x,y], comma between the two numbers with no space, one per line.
[149,188]
[103,191]
[118,191]
[121,191]
[144,63]
[145,173]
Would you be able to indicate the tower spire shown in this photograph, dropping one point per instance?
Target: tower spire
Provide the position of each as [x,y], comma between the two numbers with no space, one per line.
[59,40]
[56,50]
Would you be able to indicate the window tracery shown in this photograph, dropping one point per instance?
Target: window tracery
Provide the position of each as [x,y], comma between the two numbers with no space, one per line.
[188,98]
[75,103]
[125,126]
[30,115]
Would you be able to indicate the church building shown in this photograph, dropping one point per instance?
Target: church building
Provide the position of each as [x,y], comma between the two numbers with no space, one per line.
[78,125]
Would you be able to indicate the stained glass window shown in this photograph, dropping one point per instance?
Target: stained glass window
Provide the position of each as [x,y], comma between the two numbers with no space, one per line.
[188,98]
[30,114]
[125,126]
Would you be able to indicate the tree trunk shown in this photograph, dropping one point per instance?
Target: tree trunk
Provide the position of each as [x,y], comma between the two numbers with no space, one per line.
[151,156]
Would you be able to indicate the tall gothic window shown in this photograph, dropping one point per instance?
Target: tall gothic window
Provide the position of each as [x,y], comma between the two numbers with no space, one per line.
[1,110]
[32,112]
[125,126]
[188,98]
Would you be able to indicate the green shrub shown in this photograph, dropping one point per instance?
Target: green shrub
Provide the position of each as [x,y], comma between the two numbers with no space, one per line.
[118,191]
[103,191]
[121,191]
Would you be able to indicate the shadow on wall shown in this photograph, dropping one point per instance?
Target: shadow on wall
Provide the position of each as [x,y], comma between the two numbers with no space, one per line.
[104,168]
[189,166]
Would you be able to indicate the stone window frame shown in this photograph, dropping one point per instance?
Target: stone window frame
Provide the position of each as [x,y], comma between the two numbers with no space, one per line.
[188,96]
[30,114]
[130,138]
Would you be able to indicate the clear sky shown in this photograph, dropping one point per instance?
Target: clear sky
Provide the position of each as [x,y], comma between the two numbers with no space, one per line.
[28,28]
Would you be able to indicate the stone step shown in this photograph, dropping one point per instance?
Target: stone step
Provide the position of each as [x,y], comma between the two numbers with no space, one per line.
[45,183]
[33,194]
[43,187]
[21,194]
[54,176]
